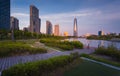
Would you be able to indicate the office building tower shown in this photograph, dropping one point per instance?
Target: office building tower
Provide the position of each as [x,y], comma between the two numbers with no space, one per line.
[100,33]
[35,21]
[14,23]
[75,29]
[5,14]
[26,29]
[56,30]
[48,28]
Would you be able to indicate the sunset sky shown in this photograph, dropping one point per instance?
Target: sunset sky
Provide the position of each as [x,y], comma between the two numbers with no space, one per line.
[92,15]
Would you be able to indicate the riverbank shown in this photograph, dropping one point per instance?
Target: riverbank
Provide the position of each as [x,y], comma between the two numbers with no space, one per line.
[115,39]
[97,43]
[63,45]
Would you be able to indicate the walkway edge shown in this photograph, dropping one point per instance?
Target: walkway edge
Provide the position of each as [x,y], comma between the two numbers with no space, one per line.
[0,73]
[108,65]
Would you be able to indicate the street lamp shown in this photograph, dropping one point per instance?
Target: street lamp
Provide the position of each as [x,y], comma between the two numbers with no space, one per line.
[12,34]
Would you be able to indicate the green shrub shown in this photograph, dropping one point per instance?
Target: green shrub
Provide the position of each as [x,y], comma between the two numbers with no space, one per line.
[64,45]
[18,48]
[38,68]
[75,55]
[77,44]
[110,51]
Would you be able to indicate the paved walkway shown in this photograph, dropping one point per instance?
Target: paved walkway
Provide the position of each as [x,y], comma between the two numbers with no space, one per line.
[8,62]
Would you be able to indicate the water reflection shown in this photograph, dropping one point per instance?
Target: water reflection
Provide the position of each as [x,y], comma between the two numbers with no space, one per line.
[100,43]
[97,43]
[75,39]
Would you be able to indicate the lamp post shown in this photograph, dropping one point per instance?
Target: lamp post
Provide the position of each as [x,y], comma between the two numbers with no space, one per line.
[12,34]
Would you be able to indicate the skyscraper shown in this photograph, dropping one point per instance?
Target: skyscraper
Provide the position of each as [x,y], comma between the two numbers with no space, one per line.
[56,30]
[48,28]
[100,33]
[14,23]
[75,29]
[35,21]
[5,14]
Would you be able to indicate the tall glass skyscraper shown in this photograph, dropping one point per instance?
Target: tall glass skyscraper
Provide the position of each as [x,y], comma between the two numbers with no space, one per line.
[14,23]
[5,14]
[48,28]
[56,30]
[75,29]
[35,21]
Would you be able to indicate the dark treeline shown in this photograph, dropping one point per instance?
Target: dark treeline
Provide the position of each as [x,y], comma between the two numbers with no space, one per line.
[19,34]
[104,37]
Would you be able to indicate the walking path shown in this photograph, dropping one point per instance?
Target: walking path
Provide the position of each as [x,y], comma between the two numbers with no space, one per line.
[8,62]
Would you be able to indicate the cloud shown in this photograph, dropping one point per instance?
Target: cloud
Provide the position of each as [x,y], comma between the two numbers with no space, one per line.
[65,15]
[20,14]
[89,20]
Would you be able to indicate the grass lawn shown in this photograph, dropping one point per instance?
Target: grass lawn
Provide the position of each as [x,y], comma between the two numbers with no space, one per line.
[87,68]
[19,47]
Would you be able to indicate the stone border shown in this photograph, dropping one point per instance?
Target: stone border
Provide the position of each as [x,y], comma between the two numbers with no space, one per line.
[108,65]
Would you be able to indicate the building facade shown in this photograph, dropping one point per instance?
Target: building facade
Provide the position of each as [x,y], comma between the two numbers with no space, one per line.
[26,29]
[100,33]
[14,23]
[5,14]
[56,30]
[75,28]
[48,28]
[35,21]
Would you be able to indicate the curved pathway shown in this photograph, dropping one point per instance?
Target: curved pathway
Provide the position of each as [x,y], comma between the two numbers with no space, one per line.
[8,62]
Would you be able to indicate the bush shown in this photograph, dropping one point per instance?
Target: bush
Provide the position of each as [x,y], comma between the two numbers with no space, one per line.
[64,45]
[77,44]
[18,48]
[38,68]
[110,51]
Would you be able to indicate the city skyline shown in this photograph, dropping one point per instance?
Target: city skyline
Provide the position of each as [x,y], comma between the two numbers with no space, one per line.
[92,15]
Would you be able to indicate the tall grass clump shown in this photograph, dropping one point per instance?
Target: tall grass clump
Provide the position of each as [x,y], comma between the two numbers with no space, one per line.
[109,51]
[64,45]
[18,48]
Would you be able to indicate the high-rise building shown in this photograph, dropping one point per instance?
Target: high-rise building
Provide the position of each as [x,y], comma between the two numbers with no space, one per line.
[100,33]
[5,14]
[14,23]
[48,27]
[35,21]
[56,30]
[75,29]
[26,29]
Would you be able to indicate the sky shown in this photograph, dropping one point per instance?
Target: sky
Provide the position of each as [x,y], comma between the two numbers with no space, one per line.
[92,15]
